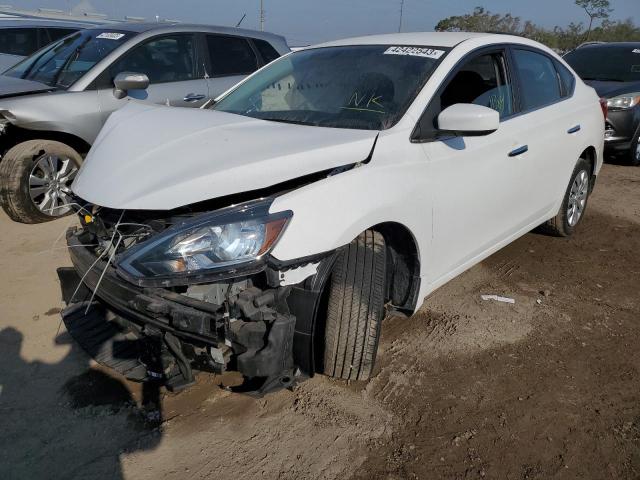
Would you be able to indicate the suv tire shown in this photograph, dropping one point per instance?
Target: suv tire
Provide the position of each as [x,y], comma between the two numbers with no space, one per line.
[28,161]
[355,308]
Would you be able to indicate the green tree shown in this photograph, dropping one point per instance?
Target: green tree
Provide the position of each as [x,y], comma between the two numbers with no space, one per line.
[594,9]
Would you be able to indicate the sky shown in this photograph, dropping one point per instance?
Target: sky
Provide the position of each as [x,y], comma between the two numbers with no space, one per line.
[310,21]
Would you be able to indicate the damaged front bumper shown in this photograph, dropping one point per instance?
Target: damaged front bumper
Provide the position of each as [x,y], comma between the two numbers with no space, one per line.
[260,324]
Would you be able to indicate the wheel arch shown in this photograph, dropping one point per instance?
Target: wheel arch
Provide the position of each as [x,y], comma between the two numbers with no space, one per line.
[403,265]
[590,155]
[16,135]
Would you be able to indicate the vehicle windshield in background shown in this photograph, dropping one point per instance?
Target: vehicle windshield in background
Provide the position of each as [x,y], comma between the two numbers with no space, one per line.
[65,61]
[607,63]
[360,87]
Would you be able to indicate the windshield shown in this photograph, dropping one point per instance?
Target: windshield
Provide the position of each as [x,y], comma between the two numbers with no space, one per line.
[62,63]
[361,87]
[606,63]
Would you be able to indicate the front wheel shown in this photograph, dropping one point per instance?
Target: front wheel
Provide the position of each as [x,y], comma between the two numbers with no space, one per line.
[634,154]
[35,180]
[574,203]
[355,308]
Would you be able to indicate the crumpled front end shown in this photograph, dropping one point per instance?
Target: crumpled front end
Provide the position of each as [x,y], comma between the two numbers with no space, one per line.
[255,317]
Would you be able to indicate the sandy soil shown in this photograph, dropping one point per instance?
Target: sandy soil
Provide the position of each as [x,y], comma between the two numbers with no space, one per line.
[544,388]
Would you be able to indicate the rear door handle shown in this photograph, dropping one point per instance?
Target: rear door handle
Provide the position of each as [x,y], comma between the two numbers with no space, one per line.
[193,97]
[519,151]
[574,129]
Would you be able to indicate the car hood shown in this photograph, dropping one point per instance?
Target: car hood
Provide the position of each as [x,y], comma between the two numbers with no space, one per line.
[151,157]
[10,87]
[613,89]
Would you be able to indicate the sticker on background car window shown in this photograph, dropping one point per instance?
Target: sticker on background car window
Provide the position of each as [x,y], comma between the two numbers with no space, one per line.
[636,50]
[111,35]
[415,52]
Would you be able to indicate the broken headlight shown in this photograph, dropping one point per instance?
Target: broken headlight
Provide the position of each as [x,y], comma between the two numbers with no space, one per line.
[207,244]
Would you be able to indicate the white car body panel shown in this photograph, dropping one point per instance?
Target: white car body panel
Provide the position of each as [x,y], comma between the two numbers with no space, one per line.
[461,199]
[182,156]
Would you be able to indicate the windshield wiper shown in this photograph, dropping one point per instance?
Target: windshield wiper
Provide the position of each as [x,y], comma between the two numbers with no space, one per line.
[282,120]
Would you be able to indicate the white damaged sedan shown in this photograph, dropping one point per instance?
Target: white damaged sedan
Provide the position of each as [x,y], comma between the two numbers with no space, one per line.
[270,234]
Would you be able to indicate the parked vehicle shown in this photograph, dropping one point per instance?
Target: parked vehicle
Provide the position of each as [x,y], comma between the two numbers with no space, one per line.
[54,103]
[271,234]
[613,69]
[21,36]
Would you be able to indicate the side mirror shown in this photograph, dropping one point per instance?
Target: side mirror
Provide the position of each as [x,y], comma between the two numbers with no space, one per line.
[126,81]
[468,120]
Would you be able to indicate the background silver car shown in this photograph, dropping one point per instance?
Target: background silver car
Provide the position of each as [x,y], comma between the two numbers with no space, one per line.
[54,103]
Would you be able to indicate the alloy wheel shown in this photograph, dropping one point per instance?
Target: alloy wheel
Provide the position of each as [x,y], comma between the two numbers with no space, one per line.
[577,197]
[49,184]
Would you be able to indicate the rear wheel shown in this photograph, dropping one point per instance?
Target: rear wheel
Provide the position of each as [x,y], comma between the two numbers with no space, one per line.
[355,308]
[35,180]
[574,203]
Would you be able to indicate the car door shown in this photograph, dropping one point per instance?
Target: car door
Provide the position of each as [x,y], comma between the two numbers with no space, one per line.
[476,182]
[229,60]
[555,126]
[176,76]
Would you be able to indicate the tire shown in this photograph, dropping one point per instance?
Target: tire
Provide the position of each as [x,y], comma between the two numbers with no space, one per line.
[16,169]
[563,224]
[355,308]
[634,154]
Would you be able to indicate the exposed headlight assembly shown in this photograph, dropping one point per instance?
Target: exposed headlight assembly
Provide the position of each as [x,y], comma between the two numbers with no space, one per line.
[624,102]
[213,245]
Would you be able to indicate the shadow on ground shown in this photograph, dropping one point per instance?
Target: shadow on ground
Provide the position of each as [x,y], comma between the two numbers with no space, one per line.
[66,419]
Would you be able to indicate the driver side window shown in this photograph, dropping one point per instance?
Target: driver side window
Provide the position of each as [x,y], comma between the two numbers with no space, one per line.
[482,81]
[170,58]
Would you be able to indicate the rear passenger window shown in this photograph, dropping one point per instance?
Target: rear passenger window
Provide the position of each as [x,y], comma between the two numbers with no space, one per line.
[481,81]
[567,80]
[538,79]
[18,41]
[231,56]
[269,54]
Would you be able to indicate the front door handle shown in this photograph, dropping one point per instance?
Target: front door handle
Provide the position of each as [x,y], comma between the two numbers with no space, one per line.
[193,97]
[574,129]
[519,151]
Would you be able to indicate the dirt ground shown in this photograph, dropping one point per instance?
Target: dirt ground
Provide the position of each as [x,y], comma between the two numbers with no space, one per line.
[545,388]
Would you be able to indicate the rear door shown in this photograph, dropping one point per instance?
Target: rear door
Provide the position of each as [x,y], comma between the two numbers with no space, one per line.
[176,76]
[229,60]
[554,144]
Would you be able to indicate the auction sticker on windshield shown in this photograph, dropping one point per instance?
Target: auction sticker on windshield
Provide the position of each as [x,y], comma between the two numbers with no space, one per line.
[415,52]
[111,35]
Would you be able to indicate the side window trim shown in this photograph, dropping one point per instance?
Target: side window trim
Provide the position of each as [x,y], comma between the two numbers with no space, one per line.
[500,48]
[522,111]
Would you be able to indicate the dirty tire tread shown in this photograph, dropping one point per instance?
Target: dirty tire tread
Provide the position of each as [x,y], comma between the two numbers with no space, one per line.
[355,308]
[558,226]
[15,166]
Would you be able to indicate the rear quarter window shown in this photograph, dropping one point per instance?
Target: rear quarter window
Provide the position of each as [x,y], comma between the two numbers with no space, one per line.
[567,80]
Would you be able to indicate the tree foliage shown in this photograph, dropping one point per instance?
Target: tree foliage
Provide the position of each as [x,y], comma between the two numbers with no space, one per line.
[559,38]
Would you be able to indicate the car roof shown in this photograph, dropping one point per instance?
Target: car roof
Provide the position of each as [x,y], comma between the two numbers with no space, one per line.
[31,22]
[176,27]
[432,39]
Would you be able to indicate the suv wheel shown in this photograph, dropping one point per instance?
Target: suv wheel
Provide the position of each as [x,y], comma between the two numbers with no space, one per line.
[634,154]
[35,180]
[355,308]
[574,204]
